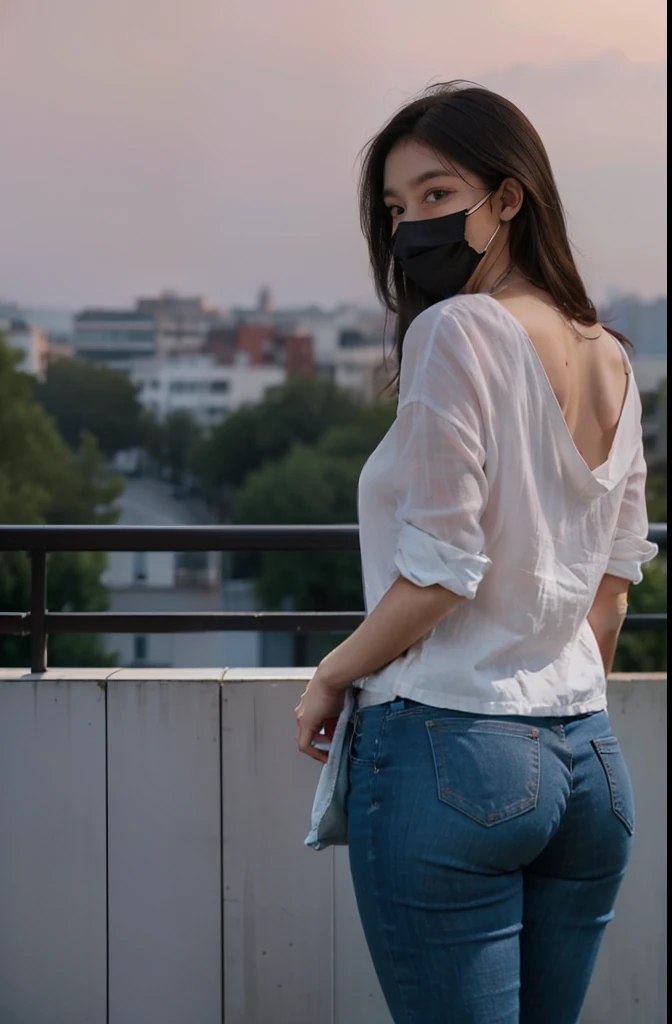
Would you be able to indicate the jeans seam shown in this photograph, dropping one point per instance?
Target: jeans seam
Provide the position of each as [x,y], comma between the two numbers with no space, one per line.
[563,738]
[481,727]
[373,843]
[407,713]
[361,762]
[602,756]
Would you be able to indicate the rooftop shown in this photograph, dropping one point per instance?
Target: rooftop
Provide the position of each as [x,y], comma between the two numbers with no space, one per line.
[120,316]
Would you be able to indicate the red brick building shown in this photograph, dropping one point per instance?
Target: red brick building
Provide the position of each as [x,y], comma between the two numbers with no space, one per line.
[262,345]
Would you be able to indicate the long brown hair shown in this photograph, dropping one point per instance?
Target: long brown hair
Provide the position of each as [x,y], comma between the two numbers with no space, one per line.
[490,137]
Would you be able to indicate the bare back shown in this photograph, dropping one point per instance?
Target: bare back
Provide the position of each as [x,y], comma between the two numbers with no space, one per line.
[586,367]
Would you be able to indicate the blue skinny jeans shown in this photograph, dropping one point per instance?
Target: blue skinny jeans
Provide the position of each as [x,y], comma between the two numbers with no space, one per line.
[486,855]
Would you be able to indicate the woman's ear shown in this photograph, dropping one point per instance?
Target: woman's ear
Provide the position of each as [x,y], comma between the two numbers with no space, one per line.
[511,197]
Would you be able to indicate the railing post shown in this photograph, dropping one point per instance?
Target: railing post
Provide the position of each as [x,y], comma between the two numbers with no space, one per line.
[38,610]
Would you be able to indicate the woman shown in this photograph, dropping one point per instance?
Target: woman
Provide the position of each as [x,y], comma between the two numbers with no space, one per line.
[502,519]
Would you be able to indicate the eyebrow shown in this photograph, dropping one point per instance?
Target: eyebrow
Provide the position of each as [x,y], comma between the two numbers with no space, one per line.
[436,172]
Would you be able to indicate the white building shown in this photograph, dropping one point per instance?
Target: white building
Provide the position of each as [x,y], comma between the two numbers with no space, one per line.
[182,323]
[327,330]
[29,342]
[362,370]
[198,386]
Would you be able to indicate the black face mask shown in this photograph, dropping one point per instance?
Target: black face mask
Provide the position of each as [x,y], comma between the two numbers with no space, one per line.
[434,253]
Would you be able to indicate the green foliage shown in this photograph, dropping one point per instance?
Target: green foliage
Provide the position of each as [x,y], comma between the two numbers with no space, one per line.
[299,412]
[153,436]
[656,495]
[181,435]
[294,458]
[84,396]
[358,438]
[43,481]
[306,488]
[646,651]
[314,485]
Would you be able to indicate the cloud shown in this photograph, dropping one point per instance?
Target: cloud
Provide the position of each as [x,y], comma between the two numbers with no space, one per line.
[212,146]
[592,111]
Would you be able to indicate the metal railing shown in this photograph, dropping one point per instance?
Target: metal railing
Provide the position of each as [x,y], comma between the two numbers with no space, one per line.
[39,541]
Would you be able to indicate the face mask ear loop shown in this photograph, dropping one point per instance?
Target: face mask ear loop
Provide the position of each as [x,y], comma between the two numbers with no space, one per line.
[491,239]
[494,233]
[479,204]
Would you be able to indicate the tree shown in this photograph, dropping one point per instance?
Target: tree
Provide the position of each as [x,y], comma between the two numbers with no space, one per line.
[181,435]
[299,412]
[358,438]
[656,494]
[154,440]
[656,484]
[85,396]
[43,481]
[304,487]
[646,651]
[313,485]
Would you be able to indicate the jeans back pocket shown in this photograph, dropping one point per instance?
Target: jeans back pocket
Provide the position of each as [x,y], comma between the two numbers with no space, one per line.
[620,788]
[488,770]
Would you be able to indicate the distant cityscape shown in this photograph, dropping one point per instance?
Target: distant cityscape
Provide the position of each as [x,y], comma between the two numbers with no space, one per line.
[188,357]
[185,355]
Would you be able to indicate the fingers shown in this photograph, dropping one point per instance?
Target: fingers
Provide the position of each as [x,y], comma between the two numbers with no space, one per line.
[304,741]
[306,735]
[306,747]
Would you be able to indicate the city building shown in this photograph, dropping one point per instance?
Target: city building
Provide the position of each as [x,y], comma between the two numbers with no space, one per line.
[181,323]
[200,387]
[299,355]
[330,330]
[57,323]
[59,351]
[643,321]
[362,370]
[256,345]
[114,337]
[165,325]
[29,342]
[651,376]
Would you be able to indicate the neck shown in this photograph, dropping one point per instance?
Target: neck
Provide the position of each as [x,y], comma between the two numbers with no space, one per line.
[494,270]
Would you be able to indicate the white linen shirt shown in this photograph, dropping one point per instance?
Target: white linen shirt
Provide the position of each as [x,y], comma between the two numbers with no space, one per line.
[479,487]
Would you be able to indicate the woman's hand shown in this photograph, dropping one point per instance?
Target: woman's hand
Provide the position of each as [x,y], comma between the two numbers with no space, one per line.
[405,614]
[319,709]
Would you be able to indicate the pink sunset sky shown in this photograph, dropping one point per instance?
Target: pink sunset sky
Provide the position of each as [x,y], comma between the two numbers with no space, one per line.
[211,145]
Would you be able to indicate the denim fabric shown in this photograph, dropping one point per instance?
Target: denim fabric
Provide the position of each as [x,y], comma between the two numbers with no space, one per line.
[328,820]
[486,855]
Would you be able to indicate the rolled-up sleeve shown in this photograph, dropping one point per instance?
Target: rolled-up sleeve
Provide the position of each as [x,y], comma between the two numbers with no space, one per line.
[441,453]
[630,548]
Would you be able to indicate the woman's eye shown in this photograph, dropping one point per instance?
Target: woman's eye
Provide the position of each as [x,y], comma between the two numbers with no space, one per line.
[437,194]
[395,211]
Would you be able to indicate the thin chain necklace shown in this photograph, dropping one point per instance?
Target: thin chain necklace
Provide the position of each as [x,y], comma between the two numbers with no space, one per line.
[502,279]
